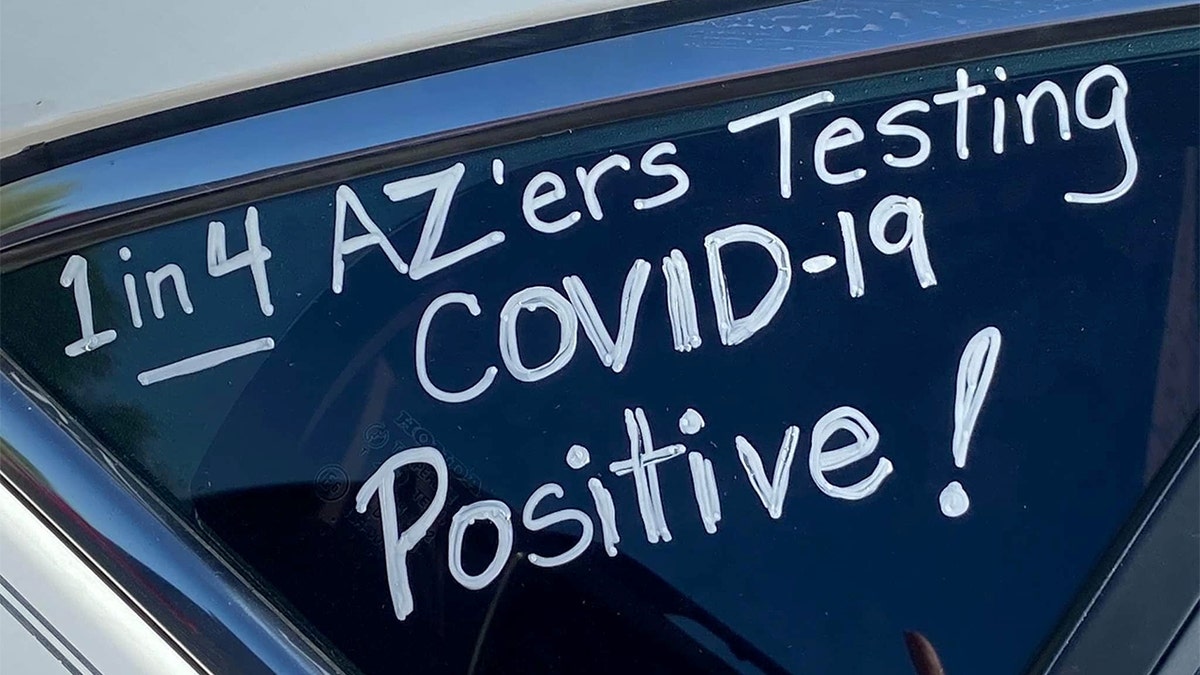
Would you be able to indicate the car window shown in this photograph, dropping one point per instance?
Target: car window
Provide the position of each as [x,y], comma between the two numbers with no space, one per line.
[804,381]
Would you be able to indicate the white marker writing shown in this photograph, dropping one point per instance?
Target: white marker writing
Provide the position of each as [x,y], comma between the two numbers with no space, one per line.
[1028,105]
[642,463]
[783,116]
[534,198]
[704,483]
[542,522]
[975,370]
[254,257]
[681,302]
[607,513]
[199,362]
[343,199]
[818,263]
[1115,115]
[840,133]
[953,500]
[75,276]
[397,544]
[959,97]
[495,512]
[854,270]
[886,126]
[489,374]
[154,280]
[442,184]
[976,367]
[672,170]
[588,178]
[735,331]
[773,492]
[532,299]
[578,457]
[131,295]
[913,238]
[998,115]
[613,353]
[822,461]
[690,422]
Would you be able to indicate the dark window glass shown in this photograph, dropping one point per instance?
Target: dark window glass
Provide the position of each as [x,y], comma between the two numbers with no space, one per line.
[973,360]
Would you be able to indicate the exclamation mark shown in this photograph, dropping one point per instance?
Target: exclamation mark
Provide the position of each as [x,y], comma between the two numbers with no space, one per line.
[975,370]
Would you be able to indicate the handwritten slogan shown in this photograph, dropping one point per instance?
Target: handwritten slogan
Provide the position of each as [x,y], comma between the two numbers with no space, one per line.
[894,226]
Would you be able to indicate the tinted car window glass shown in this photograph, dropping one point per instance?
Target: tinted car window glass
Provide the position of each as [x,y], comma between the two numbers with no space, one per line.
[764,385]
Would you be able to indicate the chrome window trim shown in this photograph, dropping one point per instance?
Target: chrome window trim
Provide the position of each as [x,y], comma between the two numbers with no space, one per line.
[74,620]
[157,562]
[161,563]
[1184,656]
